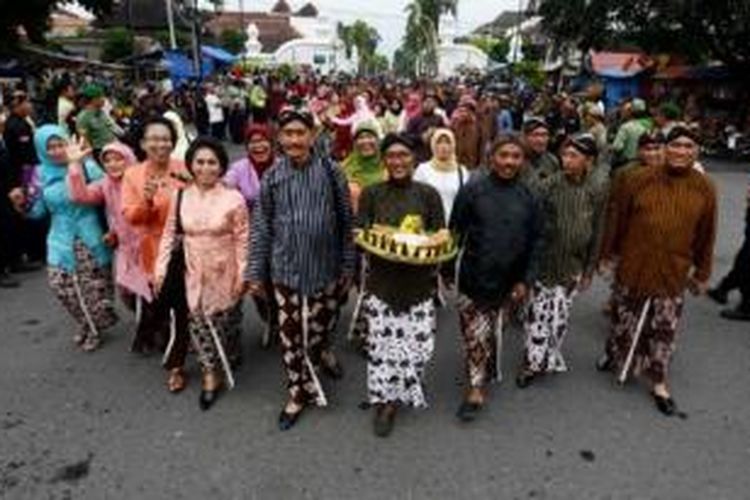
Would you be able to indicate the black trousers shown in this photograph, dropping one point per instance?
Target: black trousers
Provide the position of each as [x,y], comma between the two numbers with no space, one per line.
[739,276]
[10,249]
[152,332]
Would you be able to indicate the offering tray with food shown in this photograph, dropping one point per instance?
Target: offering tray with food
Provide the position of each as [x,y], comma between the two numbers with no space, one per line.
[408,243]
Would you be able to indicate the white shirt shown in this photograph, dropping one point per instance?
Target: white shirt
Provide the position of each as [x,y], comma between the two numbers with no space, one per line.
[215,111]
[446,184]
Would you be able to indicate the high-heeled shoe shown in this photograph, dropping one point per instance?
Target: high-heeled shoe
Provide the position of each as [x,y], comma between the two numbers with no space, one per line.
[210,389]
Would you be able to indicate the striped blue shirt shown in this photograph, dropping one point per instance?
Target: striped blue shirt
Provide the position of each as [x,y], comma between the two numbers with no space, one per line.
[302,229]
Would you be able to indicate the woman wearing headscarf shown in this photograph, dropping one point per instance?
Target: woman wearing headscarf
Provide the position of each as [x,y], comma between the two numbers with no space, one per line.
[129,276]
[363,167]
[389,122]
[443,171]
[466,128]
[181,146]
[213,221]
[412,109]
[244,175]
[78,259]
[362,113]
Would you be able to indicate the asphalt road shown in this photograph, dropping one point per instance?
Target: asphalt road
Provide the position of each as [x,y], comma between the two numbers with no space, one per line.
[102,426]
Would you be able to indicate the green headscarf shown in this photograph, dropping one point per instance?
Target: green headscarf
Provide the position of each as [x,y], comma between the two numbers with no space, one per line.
[364,170]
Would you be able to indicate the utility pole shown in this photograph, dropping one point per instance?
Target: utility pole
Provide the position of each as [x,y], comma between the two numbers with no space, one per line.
[170,21]
[195,27]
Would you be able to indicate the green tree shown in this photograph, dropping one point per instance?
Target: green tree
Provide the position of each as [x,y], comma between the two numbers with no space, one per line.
[421,36]
[530,71]
[233,40]
[119,43]
[365,39]
[694,28]
[404,62]
[495,48]
[33,18]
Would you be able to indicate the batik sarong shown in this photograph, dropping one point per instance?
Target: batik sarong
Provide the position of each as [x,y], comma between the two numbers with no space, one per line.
[87,294]
[399,346]
[305,325]
[658,338]
[546,326]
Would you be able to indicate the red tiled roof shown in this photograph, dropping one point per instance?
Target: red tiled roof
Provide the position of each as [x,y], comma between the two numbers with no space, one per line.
[273,29]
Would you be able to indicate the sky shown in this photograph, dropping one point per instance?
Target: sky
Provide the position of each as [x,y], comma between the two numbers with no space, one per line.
[388,16]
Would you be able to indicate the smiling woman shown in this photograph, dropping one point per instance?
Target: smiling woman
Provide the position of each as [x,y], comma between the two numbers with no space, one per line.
[210,221]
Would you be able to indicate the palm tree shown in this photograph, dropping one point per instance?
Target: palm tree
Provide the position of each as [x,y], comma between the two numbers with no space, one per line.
[422,31]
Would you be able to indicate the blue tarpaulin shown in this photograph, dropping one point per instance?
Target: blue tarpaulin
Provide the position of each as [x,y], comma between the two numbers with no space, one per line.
[180,66]
[218,54]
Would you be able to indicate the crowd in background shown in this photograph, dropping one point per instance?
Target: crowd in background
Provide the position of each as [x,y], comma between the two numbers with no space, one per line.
[133,187]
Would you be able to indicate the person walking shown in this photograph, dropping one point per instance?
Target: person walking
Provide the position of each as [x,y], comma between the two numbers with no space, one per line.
[664,234]
[399,304]
[78,259]
[574,202]
[498,221]
[211,222]
[302,248]
[147,190]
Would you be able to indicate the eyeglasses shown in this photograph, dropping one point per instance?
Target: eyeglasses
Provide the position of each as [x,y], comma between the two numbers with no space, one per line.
[398,155]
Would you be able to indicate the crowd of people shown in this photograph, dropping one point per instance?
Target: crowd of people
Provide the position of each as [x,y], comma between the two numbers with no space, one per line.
[538,194]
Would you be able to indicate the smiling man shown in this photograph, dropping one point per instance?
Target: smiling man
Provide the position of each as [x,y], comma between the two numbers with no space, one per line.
[302,249]
[399,298]
[499,224]
[664,232]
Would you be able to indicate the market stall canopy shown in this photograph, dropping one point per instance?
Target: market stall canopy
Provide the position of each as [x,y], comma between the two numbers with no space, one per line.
[218,54]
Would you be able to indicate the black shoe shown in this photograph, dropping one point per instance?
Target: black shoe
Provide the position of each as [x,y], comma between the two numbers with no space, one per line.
[605,364]
[718,295]
[524,379]
[332,369]
[385,415]
[7,281]
[740,313]
[667,406]
[468,412]
[335,371]
[288,420]
[207,399]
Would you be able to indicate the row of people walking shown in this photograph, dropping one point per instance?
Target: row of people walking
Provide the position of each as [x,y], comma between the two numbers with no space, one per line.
[191,239]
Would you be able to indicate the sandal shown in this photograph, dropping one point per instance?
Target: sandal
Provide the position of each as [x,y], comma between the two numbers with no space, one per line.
[176,381]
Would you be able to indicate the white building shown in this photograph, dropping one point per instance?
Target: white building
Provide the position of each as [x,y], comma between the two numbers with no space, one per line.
[319,47]
[453,57]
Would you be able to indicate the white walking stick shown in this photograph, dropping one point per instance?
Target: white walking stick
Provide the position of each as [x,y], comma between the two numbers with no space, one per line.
[499,326]
[305,336]
[222,354]
[172,336]
[84,308]
[634,342]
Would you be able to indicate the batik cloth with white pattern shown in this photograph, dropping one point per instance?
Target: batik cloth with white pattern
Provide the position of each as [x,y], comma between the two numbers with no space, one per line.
[399,346]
